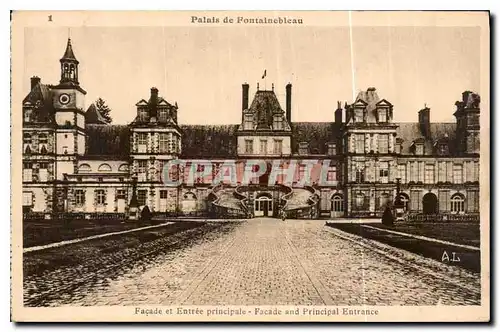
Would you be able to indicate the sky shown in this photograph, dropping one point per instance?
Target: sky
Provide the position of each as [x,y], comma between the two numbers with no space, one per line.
[203,68]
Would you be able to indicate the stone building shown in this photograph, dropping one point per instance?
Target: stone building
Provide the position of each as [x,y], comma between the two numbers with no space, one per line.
[74,162]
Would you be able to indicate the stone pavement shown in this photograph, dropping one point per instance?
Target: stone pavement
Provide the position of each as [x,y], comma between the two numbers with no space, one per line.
[270,262]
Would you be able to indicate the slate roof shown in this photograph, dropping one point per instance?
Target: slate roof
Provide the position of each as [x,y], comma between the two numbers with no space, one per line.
[371,98]
[316,134]
[410,131]
[108,140]
[200,141]
[69,54]
[40,97]
[264,105]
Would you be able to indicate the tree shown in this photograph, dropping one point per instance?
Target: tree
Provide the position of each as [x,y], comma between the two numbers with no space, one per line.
[103,109]
[387,217]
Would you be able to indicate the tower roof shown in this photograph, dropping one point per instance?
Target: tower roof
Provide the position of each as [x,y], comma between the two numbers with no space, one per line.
[69,55]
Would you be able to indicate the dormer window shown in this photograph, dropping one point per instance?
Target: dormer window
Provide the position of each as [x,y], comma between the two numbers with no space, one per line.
[382,115]
[303,148]
[419,149]
[162,115]
[278,123]
[358,115]
[398,146]
[248,123]
[443,148]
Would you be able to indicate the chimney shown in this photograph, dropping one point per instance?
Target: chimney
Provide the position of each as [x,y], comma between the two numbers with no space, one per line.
[35,80]
[338,113]
[244,97]
[289,103]
[424,121]
[153,102]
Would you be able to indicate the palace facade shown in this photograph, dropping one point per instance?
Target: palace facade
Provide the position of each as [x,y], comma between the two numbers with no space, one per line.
[74,162]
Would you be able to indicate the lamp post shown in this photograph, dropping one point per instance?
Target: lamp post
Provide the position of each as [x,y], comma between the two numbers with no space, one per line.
[398,204]
[134,204]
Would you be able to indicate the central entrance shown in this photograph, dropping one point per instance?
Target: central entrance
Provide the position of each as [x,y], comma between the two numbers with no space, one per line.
[263,205]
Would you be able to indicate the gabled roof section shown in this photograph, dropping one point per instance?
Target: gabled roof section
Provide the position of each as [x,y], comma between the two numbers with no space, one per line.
[384,102]
[142,102]
[371,98]
[264,105]
[93,116]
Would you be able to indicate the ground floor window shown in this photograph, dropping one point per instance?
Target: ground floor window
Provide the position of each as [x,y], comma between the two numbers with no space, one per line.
[100,197]
[79,197]
[457,203]
[141,196]
[405,200]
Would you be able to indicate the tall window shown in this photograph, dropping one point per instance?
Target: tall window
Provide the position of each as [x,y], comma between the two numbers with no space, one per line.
[442,172]
[278,146]
[457,203]
[263,147]
[360,201]
[162,115]
[248,146]
[332,174]
[100,197]
[358,115]
[457,173]
[142,166]
[248,124]
[384,172]
[476,171]
[338,203]
[27,198]
[43,172]
[141,196]
[419,149]
[277,123]
[429,174]
[121,194]
[142,142]
[79,197]
[405,200]
[163,142]
[360,173]
[27,171]
[382,115]
[27,138]
[360,143]
[413,171]
[402,172]
[383,143]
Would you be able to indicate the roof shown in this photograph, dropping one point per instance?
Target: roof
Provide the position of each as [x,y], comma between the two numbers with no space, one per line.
[371,98]
[316,134]
[410,132]
[264,105]
[93,116]
[40,97]
[209,141]
[69,54]
[108,140]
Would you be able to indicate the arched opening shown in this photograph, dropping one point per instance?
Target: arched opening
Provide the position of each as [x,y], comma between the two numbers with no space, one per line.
[263,205]
[123,168]
[84,168]
[188,203]
[337,205]
[104,168]
[457,203]
[430,203]
[405,200]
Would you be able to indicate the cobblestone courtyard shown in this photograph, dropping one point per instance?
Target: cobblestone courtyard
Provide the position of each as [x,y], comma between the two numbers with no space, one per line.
[270,262]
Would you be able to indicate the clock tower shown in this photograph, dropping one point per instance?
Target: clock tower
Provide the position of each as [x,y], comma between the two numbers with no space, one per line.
[69,104]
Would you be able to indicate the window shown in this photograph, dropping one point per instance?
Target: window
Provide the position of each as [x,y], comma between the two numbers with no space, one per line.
[472,200]
[332,174]
[303,148]
[476,171]
[163,142]
[79,197]
[360,173]
[413,171]
[442,172]
[457,203]
[278,146]
[402,172]
[143,114]
[383,143]
[27,172]
[405,200]
[384,171]
[457,174]
[142,142]
[121,194]
[358,115]
[382,115]
[332,149]
[104,168]
[42,139]
[27,198]
[278,123]
[429,174]
[142,170]
[263,147]
[338,203]
[163,194]
[248,124]
[141,196]
[360,201]
[162,115]
[43,172]
[443,149]
[248,146]
[100,196]
[359,143]
[419,149]
[27,138]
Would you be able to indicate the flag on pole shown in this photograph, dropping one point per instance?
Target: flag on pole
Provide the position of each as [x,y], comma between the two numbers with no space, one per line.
[265,73]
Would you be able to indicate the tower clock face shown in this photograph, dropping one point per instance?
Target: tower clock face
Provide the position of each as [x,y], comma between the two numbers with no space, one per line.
[64,99]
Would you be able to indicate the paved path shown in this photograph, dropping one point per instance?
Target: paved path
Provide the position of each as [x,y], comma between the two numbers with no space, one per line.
[270,262]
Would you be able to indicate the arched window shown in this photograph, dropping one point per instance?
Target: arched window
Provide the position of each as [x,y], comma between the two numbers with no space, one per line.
[84,168]
[337,203]
[123,168]
[360,201]
[457,203]
[104,168]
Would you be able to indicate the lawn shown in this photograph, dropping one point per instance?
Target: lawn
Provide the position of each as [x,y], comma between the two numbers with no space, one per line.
[467,234]
[40,232]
